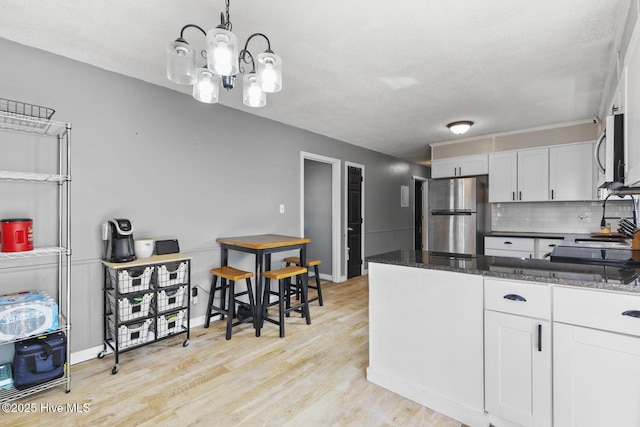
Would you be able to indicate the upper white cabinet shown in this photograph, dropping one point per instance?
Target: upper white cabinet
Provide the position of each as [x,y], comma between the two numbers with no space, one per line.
[557,173]
[519,176]
[533,175]
[460,166]
[571,172]
[632,110]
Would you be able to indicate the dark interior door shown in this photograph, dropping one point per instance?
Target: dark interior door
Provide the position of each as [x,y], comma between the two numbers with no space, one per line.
[354,223]
[418,217]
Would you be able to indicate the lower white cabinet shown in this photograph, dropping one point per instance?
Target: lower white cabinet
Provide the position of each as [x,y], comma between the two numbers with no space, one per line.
[519,247]
[596,379]
[518,353]
[518,369]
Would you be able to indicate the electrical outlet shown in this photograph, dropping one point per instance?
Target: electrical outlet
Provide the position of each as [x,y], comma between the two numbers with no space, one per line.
[281,208]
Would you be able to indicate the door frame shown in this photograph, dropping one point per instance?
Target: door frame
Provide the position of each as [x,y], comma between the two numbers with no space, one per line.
[335,209]
[363,269]
[425,211]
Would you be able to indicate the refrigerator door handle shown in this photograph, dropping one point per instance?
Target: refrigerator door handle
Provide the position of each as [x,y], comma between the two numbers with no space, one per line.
[452,213]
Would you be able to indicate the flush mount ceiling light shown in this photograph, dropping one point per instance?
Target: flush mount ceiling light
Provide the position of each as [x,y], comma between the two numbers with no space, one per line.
[223,63]
[460,127]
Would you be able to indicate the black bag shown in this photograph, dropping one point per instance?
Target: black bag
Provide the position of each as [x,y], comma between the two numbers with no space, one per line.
[38,360]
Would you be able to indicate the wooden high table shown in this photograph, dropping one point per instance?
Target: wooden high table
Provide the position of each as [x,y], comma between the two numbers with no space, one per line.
[262,246]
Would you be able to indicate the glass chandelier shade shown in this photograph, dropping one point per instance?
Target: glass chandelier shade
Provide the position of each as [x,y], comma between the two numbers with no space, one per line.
[269,70]
[207,86]
[252,93]
[222,52]
[181,63]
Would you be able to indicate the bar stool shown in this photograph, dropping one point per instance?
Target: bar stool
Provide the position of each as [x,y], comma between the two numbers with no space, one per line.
[310,263]
[283,276]
[228,276]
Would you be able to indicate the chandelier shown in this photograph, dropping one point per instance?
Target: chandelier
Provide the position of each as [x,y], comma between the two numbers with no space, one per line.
[223,63]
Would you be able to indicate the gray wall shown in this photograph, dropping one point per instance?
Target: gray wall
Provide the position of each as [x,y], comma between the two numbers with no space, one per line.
[177,169]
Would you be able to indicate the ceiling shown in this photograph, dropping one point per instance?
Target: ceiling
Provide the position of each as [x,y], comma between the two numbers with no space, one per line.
[385,75]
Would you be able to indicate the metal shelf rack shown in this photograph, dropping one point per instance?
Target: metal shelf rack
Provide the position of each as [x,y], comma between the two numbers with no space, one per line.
[36,120]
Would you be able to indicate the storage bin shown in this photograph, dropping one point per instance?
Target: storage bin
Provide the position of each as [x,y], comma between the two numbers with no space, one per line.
[27,313]
[131,308]
[130,335]
[169,324]
[131,279]
[170,299]
[171,274]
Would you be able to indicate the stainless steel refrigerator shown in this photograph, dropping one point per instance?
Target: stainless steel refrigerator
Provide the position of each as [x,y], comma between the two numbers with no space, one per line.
[458,215]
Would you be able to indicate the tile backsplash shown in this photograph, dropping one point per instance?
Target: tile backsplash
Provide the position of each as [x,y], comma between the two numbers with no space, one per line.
[557,217]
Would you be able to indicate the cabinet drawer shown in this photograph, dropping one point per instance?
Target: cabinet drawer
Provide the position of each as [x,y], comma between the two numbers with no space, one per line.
[547,245]
[521,298]
[510,243]
[597,309]
[508,253]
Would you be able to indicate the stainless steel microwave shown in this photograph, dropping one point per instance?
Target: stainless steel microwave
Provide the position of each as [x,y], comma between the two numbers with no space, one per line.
[609,153]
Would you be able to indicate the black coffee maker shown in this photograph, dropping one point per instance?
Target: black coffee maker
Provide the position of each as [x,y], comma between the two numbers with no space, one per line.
[118,237]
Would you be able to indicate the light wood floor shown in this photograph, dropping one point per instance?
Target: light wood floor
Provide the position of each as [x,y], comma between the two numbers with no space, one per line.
[315,376]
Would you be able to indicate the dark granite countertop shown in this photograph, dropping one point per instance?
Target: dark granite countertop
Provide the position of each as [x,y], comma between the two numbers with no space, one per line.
[604,277]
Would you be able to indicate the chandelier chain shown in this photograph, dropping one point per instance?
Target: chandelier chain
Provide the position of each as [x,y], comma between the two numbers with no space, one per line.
[228,23]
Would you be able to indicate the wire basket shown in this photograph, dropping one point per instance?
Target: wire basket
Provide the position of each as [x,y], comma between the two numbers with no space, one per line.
[23,109]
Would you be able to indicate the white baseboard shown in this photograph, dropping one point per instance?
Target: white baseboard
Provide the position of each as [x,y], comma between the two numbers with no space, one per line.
[92,352]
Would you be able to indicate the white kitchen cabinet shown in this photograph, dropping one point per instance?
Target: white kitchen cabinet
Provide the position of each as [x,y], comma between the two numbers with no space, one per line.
[519,176]
[545,246]
[518,353]
[632,110]
[533,175]
[596,358]
[518,247]
[460,166]
[571,172]
[503,176]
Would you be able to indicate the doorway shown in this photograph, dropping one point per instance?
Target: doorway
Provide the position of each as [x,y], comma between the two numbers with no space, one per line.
[355,179]
[320,211]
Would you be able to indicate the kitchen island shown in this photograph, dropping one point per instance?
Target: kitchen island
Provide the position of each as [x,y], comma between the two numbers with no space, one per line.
[471,337]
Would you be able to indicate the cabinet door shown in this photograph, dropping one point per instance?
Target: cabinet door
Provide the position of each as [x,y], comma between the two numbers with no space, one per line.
[533,175]
[632,110]
[571,174]
[595,380]
[473,165]
[518,369]
[503,176]
[545,246]
[444,168]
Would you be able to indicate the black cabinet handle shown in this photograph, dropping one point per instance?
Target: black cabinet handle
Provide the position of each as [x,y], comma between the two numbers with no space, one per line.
[551,194]
[513,195]
[539,337]
[632,313]
[520,195]
[514,297]
[507,243]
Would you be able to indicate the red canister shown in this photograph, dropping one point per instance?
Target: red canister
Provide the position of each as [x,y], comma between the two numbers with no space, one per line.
[16,234]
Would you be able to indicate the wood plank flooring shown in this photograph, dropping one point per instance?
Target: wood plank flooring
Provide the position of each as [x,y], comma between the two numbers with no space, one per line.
[315,376]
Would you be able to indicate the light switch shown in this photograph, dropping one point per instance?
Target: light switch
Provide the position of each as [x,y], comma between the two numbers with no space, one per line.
[281,208]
